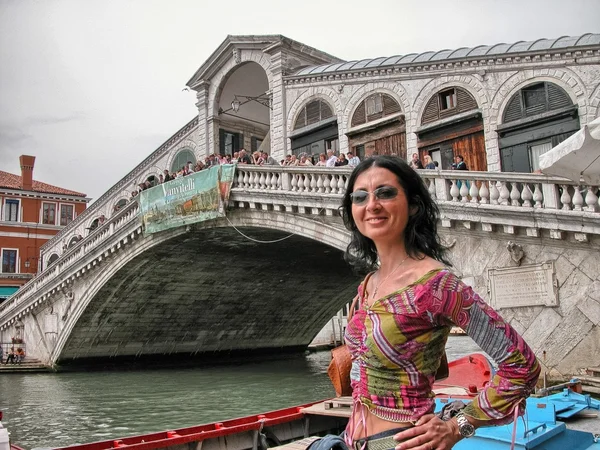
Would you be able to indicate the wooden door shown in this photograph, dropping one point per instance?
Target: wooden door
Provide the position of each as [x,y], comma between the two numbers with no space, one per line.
[472,148]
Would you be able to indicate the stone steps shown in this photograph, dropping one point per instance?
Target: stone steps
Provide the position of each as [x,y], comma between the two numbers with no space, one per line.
[593,371]
[590,381]
[28,365]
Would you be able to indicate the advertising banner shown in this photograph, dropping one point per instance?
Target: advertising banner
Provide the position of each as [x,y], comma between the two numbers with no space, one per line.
[194,198]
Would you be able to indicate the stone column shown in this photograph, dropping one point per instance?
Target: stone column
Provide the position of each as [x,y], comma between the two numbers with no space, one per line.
[278,112]
[202,105]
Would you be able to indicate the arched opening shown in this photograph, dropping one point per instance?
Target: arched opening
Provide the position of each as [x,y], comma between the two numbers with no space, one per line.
[244,110]
[536,118]
[120,204]
[97,223]
[452,125]
[378,127]
[74,240]
[315,130]
[153,180]
[52,258]
[182,159]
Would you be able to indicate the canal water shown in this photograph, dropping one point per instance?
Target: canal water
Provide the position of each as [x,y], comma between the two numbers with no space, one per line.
[50,410]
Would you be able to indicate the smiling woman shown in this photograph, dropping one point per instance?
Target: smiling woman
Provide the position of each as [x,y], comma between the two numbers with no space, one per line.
[407,305]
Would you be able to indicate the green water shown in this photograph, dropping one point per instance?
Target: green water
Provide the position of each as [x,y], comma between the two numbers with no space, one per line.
[51,410]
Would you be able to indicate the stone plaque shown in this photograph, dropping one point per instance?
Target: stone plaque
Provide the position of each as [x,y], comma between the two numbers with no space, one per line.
[527,285]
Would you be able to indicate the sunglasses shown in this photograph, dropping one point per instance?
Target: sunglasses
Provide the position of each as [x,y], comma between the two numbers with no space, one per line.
[360,197]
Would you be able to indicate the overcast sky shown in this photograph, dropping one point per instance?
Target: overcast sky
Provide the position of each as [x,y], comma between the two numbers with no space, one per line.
[91,87]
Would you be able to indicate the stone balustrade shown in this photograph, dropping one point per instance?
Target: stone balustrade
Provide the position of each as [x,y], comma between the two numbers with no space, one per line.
[508,202]
[73,262]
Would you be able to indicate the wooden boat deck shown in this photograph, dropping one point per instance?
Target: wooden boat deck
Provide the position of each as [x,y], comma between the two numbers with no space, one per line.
[302,444]
[336,407]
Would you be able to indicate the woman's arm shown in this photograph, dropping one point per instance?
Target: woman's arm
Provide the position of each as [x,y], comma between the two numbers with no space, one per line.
[518,369]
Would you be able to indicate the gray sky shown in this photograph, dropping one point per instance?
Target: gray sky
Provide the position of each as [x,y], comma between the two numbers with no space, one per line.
[91,87]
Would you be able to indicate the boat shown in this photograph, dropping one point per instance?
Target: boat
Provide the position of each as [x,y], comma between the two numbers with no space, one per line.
[4,440]
[542,428]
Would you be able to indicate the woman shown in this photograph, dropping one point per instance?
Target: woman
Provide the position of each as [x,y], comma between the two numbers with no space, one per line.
[406,309]
[429,164]
[305,160]
[342,161]
[322,160]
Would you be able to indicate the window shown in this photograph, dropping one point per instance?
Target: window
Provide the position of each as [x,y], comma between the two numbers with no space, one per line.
[536,99]
[359,151]
[182,159]
[9,261]
[314,112]
[66,214]
[534,96]
[255,143]
[374,104]
[333,144]
[535,151]
[374,107]
[49,213]
[11,210]
[229,142]
[447,99]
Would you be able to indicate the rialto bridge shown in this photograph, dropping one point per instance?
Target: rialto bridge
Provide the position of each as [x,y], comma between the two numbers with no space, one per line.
[270,274]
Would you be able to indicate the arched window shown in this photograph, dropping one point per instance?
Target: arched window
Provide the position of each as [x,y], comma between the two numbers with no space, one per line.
[120,204]
[52,258]
[95,224]
[182,158]
[153,180]
[74,240]
[376,106]
[537,117]
[314,112]
[535,99]
[446,103]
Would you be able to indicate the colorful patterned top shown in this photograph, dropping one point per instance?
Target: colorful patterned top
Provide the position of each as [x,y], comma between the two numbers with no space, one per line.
[397,342]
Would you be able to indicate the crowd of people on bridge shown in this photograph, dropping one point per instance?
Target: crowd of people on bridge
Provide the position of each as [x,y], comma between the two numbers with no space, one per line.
[262,158]
[258,158]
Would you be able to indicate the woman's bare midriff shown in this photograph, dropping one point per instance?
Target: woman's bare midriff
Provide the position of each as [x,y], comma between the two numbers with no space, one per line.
[372,424]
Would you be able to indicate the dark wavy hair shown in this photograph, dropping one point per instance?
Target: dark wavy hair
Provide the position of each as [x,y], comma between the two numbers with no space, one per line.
[420,236]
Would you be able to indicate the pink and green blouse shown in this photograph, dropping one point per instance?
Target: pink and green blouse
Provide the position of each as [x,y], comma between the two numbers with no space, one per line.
[397,342]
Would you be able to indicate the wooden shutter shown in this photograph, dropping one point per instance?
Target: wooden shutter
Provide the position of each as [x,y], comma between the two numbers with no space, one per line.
[313,112]
[557,97]
[325,110]
[513,110]
[360,115]
[301,119]
[432,110]
[465,101]
[390,106]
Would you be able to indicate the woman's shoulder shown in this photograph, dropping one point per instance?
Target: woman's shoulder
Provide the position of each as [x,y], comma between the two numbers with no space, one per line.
[437,276]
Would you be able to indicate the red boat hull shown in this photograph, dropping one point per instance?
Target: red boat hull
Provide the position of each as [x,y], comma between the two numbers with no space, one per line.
[466,375]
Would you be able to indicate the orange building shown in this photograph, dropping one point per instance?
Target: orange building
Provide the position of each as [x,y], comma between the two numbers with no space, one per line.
[32,212]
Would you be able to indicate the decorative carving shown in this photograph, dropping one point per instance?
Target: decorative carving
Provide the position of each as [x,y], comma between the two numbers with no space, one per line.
[237,57]
[516,252]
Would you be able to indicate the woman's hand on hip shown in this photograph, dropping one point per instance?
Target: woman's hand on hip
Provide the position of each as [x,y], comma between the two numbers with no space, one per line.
[429,433]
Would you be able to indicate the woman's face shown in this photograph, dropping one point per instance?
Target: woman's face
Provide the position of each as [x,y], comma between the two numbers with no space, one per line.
[380,219]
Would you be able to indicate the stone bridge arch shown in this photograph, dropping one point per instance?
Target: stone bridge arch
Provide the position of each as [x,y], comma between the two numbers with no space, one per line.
[316,282]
